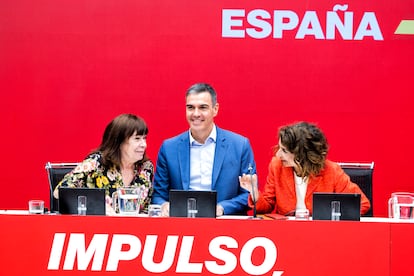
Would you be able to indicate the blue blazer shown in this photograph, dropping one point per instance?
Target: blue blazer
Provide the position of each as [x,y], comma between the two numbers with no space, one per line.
[232,157]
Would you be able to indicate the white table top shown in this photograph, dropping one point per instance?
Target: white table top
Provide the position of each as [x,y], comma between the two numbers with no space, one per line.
[363,219]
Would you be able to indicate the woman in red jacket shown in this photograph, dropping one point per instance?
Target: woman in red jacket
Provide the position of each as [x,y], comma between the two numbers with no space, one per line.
[299,169]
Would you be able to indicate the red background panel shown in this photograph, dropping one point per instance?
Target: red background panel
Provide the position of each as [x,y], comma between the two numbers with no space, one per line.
[325,248]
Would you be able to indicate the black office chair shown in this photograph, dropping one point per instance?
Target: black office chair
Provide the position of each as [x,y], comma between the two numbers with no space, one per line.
[361,174]
[55,173]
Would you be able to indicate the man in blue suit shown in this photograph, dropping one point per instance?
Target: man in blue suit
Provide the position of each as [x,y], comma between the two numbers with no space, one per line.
[204,158]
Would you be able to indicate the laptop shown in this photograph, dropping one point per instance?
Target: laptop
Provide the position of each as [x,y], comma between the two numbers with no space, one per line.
[350,206]
[95,200]
[205,203]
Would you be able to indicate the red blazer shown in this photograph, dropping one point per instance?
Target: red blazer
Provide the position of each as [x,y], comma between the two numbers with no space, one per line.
[279,193]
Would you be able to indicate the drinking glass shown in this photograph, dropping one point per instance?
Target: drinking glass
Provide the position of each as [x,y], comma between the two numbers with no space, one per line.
[128,201]
[302,214]
[154,210]
[36,206]
[191,207]
[82,207]
[335,210]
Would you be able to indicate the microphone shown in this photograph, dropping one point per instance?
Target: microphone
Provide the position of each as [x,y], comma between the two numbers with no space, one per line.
[250,169]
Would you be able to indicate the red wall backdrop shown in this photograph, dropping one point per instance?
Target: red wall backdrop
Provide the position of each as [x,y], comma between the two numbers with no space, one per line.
[68,67]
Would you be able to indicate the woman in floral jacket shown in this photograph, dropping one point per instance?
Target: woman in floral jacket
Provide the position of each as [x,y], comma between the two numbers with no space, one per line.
[120,161]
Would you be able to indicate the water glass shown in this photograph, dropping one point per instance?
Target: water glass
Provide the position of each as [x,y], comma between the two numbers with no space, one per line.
[191,207]
[82,206]
[36,206]
[401,205]
[129,201]
[154,210]
[302,214]
[335,210]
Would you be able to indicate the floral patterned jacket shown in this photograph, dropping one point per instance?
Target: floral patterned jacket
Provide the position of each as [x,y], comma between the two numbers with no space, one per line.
[92,174]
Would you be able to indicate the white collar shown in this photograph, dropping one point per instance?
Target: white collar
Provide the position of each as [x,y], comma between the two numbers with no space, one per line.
[212,136]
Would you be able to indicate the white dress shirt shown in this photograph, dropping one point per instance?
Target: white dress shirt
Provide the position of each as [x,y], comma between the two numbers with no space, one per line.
[201,162]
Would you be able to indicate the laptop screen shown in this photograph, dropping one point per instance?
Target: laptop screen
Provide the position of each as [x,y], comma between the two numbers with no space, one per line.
[204,203]
[348,206]
[95,200]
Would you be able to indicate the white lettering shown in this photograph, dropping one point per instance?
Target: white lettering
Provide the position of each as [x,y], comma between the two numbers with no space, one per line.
[369,27]
[284,21]
[225,261]
[229,23]
[183,264]
[116,254]
[56,252]
[310,26]
[255,18]
[268,262]
[76,249]
[230,261]
[333,21]
[149,252]
[260,24]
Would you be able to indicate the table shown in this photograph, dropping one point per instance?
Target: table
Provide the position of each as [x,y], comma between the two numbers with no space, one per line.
[104,245]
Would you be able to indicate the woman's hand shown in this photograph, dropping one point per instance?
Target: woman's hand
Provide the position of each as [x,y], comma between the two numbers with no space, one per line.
[110,211]
[249,182]
[165,209]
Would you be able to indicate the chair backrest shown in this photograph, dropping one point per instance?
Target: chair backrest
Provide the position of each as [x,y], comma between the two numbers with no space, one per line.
[361,174]
[55,173]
